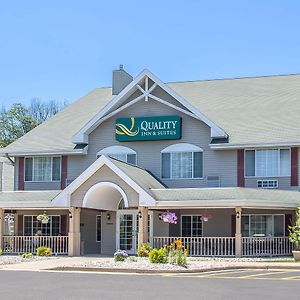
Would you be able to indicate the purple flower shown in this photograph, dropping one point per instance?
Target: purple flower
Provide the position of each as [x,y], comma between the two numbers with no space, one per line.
[169,217]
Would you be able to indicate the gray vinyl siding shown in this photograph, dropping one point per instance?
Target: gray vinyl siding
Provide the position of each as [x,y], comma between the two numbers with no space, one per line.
[39,186]
[284,183]
[7,182]
[108,243]
[222,163]
[88,231]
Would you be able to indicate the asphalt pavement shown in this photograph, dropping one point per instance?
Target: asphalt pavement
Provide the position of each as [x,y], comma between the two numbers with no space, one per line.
[231,284]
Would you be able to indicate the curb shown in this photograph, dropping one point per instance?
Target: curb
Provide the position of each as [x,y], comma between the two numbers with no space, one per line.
[147,271]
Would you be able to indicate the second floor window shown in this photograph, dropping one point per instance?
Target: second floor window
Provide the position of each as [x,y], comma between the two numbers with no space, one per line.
[119,152]
[268,163]
[182,161]
[42,169]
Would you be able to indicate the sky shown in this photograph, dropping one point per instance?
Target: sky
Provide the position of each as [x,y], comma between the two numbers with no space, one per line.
[63,49]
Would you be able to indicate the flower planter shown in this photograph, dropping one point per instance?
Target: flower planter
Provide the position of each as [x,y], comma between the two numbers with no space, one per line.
[296,255]
[45,221]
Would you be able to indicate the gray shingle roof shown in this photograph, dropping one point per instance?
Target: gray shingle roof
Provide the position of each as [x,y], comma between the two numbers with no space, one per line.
[228,197]
[257,110]
[27,199]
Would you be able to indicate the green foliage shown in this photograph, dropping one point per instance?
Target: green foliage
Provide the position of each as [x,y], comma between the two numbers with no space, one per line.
[1,251]
[158,256]
[120,255]
[177,253]
[144,250]
[43,251]
[294,231]
[132,258]
[14,123]
[27,255]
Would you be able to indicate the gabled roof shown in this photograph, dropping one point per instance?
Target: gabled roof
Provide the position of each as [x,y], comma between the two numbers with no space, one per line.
[252,111]
[226,197]
[82,135]
[137,178]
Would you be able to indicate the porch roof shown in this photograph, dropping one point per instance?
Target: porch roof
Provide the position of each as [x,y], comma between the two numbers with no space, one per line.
[226,197]
[27,199]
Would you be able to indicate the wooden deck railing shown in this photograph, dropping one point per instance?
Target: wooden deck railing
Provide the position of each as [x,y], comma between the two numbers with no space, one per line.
[201,246]
[26,244]
[266,246]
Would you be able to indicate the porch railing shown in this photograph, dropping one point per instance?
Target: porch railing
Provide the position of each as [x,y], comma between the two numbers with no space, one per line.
[266,246]
[201,246]
[25,244]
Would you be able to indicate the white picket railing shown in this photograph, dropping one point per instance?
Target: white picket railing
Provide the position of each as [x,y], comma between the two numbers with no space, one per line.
[28,244]
[266,246]
[201,246]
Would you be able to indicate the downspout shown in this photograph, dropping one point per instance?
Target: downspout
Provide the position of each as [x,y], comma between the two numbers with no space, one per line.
[10,159]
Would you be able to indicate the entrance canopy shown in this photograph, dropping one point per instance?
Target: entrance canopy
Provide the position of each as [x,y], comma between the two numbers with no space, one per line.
[104,196]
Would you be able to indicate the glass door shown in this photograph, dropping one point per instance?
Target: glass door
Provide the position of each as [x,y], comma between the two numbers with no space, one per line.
[127,230]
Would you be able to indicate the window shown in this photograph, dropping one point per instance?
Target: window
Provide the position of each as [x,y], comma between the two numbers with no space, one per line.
[191,226]
[266,163]
[32,225]
[119,152]
[267,184]
[182,161]
[262,225]
[42,169]
[98,228]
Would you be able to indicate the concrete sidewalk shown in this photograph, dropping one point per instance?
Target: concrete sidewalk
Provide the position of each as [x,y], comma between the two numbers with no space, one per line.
[106,264]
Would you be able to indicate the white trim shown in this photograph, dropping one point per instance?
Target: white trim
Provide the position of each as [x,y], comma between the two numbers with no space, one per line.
[82,135]
[182,147]
[225,146]
[145,199]
[105,183]
[40,153]
[116,150]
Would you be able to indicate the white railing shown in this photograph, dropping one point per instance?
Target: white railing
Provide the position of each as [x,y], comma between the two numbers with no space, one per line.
[266,246]
[28,244]
[201,246]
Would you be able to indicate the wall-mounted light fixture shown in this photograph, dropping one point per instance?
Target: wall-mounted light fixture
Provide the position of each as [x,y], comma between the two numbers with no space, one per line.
[238,214]
[108,216]
[140,214]
[70,214]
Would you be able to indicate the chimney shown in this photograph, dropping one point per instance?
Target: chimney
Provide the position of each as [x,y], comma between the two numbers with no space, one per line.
[120,80]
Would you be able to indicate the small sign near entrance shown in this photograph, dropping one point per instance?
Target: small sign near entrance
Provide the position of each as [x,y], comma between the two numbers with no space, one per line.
[148,128]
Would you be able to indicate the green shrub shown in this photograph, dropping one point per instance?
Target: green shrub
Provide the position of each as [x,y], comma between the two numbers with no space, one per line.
[158,256]
[294,231]
[27,255]
[1,251]
[144,250]
[132,258]
[43,251]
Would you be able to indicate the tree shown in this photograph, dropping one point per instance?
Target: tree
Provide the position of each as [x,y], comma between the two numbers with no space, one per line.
[14,123]
[18,120]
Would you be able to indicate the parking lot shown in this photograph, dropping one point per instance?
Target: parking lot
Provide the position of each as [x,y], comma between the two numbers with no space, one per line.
[248,274]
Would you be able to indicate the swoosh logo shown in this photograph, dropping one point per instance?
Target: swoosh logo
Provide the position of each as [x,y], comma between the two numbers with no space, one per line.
[121,129]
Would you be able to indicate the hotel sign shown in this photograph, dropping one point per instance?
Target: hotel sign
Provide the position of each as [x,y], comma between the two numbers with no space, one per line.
[148,128]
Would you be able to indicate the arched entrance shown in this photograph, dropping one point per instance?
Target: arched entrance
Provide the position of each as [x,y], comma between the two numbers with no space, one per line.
[105,196]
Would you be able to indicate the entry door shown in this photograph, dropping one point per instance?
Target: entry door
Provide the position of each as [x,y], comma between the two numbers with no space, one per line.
[127,230]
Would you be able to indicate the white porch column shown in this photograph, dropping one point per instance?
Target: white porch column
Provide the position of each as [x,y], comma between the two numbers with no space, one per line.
[1,227]
[143,226]
[74,232]
[238,231]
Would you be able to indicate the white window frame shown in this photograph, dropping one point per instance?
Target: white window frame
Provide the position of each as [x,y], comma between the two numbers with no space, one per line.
[117,150]
[249,215]
[191,215]
[33,158]
[97,228]
[182,147]
[32,223]
[256,176]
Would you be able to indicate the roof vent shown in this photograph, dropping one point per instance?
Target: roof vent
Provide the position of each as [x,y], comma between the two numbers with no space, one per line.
[120,80]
